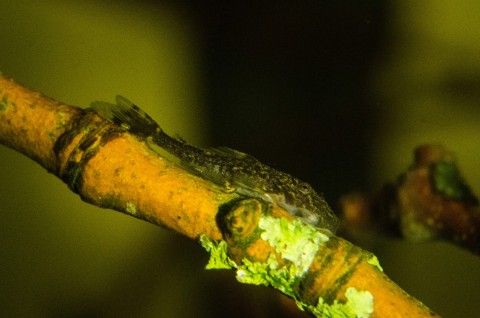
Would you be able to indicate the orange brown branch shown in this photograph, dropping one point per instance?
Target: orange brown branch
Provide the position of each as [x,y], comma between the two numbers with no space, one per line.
[113,169]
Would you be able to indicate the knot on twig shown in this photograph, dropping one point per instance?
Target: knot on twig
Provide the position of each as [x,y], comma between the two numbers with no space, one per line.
[239,221]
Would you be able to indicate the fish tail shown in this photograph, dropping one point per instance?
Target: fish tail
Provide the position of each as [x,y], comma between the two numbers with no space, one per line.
[127,115]
[135,119]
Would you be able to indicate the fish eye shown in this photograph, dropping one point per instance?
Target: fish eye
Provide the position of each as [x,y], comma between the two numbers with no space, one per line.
[305,188]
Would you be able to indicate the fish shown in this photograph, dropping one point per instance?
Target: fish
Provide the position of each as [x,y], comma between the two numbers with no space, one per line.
[231,170]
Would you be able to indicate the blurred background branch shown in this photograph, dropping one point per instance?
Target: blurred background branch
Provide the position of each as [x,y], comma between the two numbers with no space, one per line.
[430,201]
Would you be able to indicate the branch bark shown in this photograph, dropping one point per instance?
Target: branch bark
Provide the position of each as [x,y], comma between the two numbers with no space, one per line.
[110,168]
[429,201]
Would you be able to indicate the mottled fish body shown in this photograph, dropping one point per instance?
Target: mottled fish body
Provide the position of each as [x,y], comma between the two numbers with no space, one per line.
[228,168]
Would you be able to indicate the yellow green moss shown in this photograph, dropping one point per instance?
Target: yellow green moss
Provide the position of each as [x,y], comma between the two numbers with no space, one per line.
[218,254]
[359,304]
[374,262]
[295,242]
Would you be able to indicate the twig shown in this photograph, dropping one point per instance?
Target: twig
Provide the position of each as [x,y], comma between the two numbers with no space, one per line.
[431,200]
[110,168]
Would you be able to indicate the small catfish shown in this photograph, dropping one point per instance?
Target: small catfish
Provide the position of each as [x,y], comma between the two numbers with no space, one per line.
[232,170]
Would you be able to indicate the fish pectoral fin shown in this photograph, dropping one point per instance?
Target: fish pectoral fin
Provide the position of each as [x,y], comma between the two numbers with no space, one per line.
[228,152]
[247,190]
[219,184]
[193,169]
